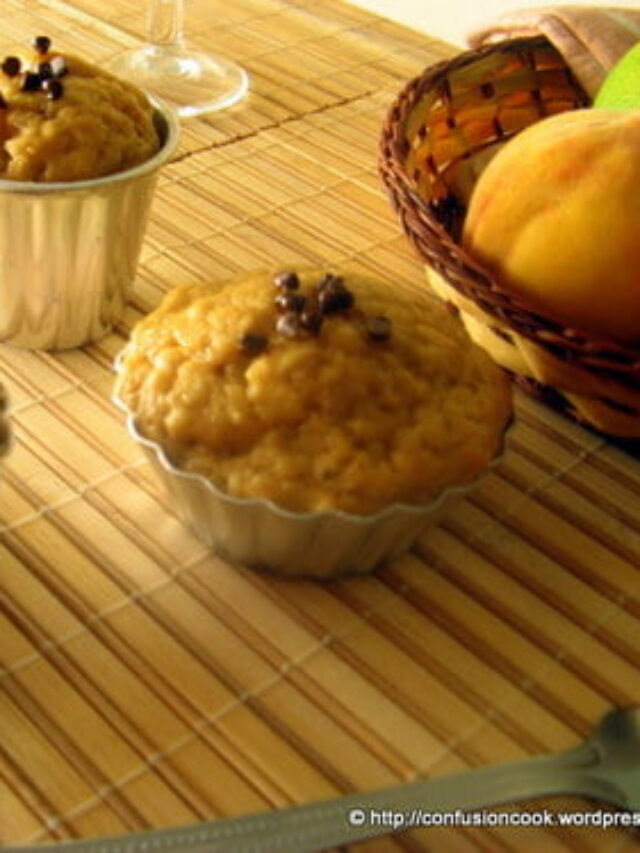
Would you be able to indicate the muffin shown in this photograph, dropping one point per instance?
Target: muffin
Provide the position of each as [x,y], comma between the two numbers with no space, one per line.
[80,151]
[63,119]
[324,416]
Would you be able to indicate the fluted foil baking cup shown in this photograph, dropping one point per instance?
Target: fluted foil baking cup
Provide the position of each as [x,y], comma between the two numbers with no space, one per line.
[261,535]
[69,251]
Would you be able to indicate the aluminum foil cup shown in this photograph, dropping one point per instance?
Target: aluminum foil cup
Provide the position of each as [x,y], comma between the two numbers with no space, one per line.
[69,251]
[261,535]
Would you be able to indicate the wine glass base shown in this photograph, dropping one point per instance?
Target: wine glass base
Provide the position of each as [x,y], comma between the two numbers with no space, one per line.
[191,83]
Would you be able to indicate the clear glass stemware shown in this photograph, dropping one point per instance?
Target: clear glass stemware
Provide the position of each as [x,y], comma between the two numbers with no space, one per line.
[189,81]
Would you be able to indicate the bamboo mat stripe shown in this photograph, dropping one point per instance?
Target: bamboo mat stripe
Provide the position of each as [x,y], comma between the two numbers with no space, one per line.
[146,683]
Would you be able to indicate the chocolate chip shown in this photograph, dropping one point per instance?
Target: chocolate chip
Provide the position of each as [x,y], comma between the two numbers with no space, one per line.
[53,88]
[311,320]
[253,344]
[288,300]
[330,280]
[289,324]
[58,66]
[41,44]
[378,328]
[31,82]
[335,297]
[44,70]
[287,280]
[3,103]
[11,66]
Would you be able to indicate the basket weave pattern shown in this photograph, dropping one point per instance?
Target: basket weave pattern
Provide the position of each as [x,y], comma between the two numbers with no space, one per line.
[439,134]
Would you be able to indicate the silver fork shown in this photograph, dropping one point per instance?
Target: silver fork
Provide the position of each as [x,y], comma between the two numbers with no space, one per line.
[606,767]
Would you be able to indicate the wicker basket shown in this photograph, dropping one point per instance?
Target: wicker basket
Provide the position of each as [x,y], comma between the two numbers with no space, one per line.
[439,134]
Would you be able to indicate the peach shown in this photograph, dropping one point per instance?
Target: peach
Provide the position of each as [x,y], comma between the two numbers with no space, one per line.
[556,216]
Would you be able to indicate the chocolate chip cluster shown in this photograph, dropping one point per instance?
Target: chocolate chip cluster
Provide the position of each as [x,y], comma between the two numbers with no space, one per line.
[45,74]
[300,315]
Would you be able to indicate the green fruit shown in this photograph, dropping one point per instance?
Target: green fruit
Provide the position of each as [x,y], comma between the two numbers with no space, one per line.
[621,87]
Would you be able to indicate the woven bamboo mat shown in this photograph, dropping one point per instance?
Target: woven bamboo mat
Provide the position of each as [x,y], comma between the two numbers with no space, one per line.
[145,682]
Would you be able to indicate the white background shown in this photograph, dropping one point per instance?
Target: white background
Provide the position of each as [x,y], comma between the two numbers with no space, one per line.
[451,20]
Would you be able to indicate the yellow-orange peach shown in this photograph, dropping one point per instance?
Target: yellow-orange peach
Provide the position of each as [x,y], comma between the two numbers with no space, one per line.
[556,216]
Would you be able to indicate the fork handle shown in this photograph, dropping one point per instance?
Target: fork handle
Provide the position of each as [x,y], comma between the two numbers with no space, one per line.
[355,817]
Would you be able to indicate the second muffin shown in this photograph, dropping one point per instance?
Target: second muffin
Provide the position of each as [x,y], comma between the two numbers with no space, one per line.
[315,391]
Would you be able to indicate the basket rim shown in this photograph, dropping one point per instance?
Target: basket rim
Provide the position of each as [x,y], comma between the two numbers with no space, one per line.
[605,356]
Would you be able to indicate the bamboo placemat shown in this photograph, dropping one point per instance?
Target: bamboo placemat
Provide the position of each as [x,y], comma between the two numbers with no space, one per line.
[145,682]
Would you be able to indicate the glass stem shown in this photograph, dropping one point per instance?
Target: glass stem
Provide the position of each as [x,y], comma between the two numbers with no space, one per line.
[166,22]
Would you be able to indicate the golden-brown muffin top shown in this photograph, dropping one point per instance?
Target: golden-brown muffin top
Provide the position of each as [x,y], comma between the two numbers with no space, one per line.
[351,402]
[63,119]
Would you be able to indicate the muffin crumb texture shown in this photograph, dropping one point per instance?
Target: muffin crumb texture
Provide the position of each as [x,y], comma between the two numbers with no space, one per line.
[63,119]
[382,400]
